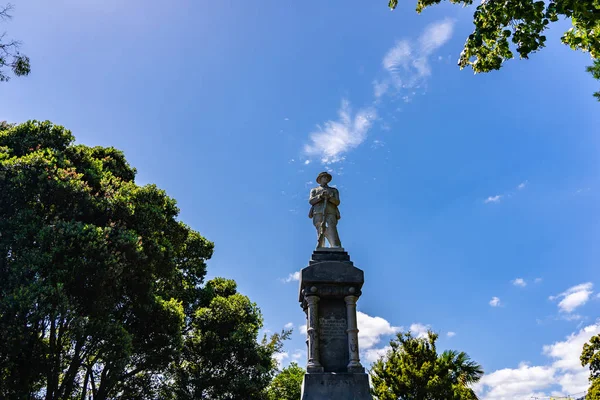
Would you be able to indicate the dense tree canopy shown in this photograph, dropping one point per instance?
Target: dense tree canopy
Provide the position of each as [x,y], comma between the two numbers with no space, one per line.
[591,357]
[100,284]
[413,370]
[523,22]
[10,57]
[224,327]
[287,384]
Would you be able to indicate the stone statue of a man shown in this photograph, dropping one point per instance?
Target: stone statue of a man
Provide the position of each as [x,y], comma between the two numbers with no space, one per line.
[324,211]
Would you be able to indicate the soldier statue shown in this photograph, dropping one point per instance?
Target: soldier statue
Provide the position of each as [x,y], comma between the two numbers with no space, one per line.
[324,211]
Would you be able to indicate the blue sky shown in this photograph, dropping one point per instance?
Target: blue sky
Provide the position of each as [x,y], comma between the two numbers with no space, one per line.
[456,189]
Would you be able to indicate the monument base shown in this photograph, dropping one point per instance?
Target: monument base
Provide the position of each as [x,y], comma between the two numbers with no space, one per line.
[336,386]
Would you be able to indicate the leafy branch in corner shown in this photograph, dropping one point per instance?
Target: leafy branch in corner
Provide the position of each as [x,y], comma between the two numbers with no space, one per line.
[503,26]
[10,57]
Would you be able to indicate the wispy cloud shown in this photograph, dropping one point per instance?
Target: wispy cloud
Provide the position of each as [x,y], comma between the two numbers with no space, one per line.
[499,197]
[574,297]
[495,301]
[451,334]
[294,276]
[408,63]
[493,199]
[406,66]
[337,137]
[289,325]
[519,282]
[380,88]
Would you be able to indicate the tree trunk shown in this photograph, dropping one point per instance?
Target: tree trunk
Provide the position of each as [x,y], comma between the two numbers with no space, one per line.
[51,383]
[85,383]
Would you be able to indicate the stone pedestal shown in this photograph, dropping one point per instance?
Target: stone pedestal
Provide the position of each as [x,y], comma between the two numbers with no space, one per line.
[329,289]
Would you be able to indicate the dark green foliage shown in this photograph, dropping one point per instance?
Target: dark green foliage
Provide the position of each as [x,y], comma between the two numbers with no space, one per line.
[95,271]
[595,71]
[9,51]
[100,284]
[287,384]
[221,357]
[413,370]
[591,357]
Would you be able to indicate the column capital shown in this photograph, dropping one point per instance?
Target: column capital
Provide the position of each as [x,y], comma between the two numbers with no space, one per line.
[351,300]
[311,299]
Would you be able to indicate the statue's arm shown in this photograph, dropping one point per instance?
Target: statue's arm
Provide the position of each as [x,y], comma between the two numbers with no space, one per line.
[313,199]
[335,199]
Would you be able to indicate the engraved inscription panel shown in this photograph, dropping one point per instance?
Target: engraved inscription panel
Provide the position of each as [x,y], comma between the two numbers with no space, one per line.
[333,327]
[333,339]
[340,382]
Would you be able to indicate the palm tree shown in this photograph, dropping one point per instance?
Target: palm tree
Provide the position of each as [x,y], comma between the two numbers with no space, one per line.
[413,370]
[462,372]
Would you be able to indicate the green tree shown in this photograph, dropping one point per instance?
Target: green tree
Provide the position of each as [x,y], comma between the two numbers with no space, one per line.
[287,384]
[101,286]
[9,51]
[224,327]
[413,370]
[595,71]
[96,272]
[523,22]
[591,357]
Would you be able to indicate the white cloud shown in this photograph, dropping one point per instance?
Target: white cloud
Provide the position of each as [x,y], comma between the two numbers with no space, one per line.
[302,329]
[419,330]
[513,384]
[372,355]
[330,142]
[527,381]
[493,199]
[295,276]
[371,329]
[398,56]
[289,325]
[519,282]
[298,354]
[377,144]
[436,35]
[574,297]
[380,88]
[495,301]
[522,185]
[408,64]
[306,162]
[567,353]
[279,357]
[570,317]
[451,334]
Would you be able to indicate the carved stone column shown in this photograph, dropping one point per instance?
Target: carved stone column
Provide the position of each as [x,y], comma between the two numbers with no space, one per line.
[313,335]
[354,365]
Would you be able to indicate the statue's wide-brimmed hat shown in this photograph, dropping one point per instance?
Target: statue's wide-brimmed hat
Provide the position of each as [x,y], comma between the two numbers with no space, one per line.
[324,175]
